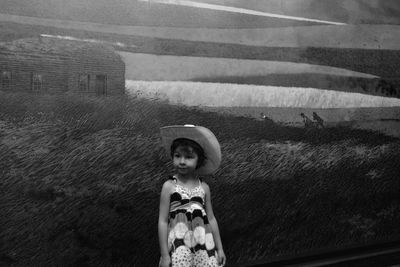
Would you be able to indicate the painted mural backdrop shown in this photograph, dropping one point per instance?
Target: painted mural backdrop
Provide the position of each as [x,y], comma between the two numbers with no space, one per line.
[304,96]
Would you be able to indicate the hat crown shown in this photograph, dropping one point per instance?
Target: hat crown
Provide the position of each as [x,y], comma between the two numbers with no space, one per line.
[201,135]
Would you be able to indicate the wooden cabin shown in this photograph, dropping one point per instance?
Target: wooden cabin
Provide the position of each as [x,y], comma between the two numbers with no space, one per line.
[52,65]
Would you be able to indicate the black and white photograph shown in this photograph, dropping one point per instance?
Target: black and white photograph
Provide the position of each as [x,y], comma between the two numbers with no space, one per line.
[191,133]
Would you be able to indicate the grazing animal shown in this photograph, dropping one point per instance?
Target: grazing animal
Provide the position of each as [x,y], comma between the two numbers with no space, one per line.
[318,120]
[308,123]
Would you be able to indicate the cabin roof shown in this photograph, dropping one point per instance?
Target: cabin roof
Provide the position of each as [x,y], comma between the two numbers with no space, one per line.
[48,46]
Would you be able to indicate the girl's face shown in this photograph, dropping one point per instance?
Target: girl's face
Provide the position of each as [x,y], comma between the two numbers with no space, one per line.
[185,160]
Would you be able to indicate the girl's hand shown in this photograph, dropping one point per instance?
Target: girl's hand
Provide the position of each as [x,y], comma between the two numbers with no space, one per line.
[165,261]
[221,257]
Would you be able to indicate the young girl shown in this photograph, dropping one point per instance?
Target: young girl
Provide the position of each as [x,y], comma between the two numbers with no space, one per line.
[188,231]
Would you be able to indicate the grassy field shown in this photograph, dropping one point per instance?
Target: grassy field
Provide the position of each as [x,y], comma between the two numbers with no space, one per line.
[247,95]
[81,180]
[209,69]
[282,105]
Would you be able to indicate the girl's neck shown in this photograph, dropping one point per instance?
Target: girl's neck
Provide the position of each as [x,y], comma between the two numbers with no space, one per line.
[189,178]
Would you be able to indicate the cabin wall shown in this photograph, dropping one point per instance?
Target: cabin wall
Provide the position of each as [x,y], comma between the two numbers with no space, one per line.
[97,63]
[61,72]
[52,71]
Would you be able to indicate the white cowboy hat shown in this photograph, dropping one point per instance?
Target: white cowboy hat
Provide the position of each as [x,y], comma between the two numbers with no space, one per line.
[201,135]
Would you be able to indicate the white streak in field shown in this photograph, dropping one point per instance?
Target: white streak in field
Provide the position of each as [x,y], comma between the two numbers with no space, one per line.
[239,10]
[236,95]
[70,38]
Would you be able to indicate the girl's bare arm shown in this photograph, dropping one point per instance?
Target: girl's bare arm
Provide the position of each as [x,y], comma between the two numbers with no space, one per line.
[214,224]
[163,219]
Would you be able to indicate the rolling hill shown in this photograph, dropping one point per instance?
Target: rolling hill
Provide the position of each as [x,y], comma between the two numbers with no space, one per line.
[131,12]
[347,36]
[347,11]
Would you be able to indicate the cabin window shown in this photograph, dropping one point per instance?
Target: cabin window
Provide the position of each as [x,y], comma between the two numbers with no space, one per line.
[6,80]
[84,82]
[37,82]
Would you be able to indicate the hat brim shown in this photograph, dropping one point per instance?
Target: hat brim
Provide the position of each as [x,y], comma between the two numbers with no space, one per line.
[203,136]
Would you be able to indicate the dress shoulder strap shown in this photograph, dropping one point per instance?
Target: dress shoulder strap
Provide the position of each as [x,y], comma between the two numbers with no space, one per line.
[172,178]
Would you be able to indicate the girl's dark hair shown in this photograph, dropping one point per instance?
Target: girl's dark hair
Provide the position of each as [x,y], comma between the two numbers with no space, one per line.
[186,144]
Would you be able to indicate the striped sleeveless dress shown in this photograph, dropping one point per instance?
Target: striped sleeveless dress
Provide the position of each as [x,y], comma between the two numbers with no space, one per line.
[190,239]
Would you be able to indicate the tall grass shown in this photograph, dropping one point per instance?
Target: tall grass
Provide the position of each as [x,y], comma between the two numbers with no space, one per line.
[81,176]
